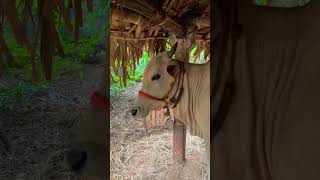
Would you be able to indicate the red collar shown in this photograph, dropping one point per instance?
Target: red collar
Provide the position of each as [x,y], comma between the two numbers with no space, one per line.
[143,94]
[177,94]
[100,101]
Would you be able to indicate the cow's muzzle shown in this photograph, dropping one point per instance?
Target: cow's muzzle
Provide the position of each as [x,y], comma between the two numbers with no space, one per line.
[88,160]
[76,159]
[134,111]
[139,112]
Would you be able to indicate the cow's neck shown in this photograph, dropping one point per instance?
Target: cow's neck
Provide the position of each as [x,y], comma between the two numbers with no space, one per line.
[195,84]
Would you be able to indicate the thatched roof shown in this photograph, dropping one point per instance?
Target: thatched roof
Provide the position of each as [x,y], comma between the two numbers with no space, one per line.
[138,25]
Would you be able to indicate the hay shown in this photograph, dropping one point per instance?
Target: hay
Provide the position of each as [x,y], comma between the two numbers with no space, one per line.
[137,155]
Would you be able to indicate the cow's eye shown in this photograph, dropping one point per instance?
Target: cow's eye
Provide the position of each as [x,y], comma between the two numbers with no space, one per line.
[155,77]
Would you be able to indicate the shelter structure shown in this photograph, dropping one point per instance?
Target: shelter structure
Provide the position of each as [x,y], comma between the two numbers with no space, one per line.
[138,25]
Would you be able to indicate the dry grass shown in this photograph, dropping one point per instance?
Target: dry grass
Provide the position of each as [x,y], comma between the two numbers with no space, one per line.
[137,155]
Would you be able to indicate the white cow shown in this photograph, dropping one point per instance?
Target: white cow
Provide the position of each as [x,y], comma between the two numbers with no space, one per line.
[164,79]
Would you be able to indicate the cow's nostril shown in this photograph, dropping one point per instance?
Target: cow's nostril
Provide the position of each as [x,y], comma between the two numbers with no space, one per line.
[76,159]
[134,112]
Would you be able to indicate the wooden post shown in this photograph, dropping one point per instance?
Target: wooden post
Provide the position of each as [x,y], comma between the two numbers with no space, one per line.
[179,141]
[179,129]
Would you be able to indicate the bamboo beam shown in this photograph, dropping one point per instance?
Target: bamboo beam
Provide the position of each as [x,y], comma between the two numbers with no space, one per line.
[134,6]
[200,22]
[131,36]
[146,4]
[128,38]
[172,26]
[128,16]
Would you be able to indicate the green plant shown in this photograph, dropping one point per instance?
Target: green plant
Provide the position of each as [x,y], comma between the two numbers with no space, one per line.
[116,89]
[20,54]
[134,76]
[18,92]
[60,65]
[199,60]
[138,73]
[261,2]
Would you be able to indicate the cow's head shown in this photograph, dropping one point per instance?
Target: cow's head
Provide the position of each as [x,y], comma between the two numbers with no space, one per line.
[158,79]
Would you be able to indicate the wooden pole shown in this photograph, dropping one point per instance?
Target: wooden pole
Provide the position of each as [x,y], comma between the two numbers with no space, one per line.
[179,128]
[179,141]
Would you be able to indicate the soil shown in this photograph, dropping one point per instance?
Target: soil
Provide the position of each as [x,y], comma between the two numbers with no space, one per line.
[38,131]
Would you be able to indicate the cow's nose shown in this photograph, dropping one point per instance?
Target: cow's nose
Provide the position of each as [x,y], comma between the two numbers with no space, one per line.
[134,111]
[76,159]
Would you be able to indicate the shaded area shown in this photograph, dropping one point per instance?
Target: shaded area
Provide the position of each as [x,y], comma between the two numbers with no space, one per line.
[39,128]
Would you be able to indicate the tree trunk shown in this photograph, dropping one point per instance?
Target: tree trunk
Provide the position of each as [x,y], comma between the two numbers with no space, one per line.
[6,51]
[78,23]
[47,39]
[16,24]
[58,42]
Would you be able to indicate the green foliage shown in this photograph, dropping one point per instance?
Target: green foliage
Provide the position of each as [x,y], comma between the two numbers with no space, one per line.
[94,23]
[18,92]
[20,54]
[80,69]
[261,2]
[87,46]
[134,77]
[60,65]
[199,60]
[116,89]
[92,34]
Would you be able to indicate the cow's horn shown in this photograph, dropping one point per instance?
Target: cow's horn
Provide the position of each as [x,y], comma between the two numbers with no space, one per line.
[173,50]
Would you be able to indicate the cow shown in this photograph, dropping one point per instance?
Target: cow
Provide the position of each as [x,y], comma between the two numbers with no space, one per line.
[181,87]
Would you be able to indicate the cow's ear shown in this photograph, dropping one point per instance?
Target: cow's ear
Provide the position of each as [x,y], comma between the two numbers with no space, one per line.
[172,68]
[173,50]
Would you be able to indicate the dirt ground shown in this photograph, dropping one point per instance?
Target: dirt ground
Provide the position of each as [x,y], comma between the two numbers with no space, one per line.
[39,129]
[139,156]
